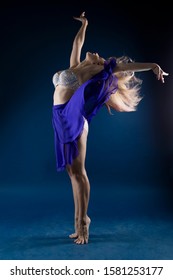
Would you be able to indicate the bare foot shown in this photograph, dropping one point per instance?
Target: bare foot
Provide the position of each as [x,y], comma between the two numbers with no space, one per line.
[75,234]
[83,235]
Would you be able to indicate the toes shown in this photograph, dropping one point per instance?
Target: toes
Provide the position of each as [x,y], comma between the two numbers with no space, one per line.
[81,240]
[73,235]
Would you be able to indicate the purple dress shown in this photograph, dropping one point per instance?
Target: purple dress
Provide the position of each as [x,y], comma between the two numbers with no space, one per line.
[68,118]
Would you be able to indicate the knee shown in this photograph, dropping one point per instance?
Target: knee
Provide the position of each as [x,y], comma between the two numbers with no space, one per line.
[76,174]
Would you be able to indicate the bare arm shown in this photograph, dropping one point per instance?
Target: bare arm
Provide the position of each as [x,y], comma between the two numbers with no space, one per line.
[78,41]
[139,67]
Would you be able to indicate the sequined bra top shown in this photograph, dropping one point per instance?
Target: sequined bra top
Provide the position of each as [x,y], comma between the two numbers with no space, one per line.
[66,78]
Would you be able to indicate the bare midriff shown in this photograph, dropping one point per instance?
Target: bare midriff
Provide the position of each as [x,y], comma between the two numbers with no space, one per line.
[62,95]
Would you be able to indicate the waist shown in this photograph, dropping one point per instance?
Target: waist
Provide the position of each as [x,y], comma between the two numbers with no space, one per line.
[62,95]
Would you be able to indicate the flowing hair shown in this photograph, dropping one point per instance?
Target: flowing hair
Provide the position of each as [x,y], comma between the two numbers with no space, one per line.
[127,96]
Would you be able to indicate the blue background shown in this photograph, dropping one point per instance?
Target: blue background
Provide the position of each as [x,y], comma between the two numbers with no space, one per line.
[129,155]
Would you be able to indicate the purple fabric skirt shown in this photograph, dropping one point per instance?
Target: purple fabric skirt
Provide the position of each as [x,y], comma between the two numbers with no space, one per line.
[68,118]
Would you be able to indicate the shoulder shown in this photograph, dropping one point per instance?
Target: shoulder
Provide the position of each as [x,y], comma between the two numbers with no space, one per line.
[110,64]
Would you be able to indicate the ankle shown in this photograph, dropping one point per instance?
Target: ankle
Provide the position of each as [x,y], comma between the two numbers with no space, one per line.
[82,221]
[88,220]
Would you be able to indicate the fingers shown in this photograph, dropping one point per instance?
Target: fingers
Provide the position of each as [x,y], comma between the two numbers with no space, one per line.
[161,74]
[162,80]
[162,77]
[82,15]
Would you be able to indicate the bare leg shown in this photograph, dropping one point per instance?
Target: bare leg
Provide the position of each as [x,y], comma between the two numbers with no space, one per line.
[76,212]
[81,192]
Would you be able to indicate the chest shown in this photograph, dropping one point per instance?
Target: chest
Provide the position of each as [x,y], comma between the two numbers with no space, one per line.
[85,73]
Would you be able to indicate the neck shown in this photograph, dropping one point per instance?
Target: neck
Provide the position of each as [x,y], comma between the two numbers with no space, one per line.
[87,63]
[84,63]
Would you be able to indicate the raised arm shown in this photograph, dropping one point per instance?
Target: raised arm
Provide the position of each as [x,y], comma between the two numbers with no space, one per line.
[78,41]
[139,67]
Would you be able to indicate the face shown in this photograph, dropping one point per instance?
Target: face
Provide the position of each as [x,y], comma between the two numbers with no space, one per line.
[94,58]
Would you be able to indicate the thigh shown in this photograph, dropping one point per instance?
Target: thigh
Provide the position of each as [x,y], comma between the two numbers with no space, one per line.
[78,164]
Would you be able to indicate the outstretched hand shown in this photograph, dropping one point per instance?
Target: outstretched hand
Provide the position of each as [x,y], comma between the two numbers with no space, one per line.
[82,18]
[159,73]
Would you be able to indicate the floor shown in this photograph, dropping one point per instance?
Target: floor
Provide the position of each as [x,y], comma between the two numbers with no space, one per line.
[128,223]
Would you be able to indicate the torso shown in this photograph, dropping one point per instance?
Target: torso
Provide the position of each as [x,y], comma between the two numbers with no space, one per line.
[83,73]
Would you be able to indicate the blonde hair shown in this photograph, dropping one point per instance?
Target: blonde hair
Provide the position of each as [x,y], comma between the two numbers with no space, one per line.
[127,97]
